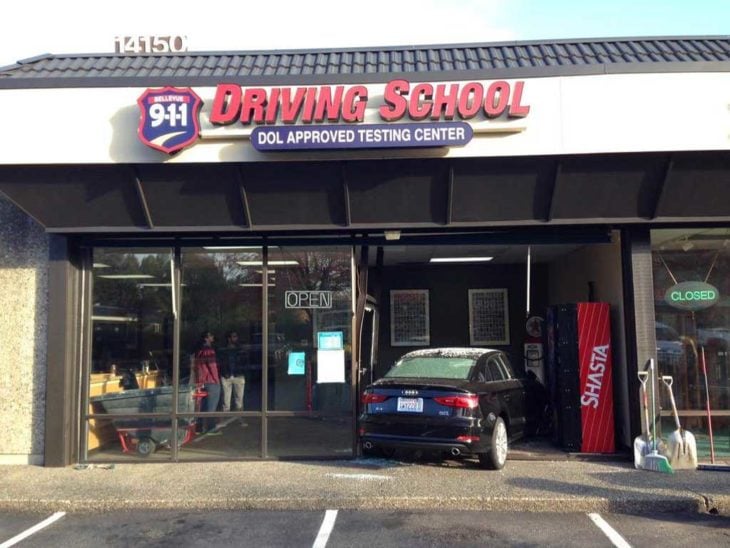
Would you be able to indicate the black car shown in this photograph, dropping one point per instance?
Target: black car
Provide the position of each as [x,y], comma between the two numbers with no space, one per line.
[460,401]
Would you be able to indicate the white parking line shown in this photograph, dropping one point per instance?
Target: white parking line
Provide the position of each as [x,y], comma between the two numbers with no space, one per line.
[325,529]
[28,532]
[359,476]
[613,535]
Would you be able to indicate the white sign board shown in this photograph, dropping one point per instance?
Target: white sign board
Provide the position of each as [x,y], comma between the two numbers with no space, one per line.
[330,366]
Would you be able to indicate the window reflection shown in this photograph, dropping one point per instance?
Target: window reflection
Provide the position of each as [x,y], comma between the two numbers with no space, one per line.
[312,298]
[131,322]
[688,328]
[131,351]
[222,295]
[219,396]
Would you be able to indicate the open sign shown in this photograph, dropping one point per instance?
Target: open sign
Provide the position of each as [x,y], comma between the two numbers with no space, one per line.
[308,299]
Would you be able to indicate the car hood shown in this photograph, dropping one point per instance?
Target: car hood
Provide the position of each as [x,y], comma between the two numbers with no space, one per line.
[452,384]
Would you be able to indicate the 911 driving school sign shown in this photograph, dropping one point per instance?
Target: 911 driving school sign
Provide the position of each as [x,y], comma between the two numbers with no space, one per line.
[333,117]
[168,118]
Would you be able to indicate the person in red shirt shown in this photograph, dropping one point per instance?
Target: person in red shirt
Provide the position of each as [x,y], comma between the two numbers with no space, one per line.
[207,377]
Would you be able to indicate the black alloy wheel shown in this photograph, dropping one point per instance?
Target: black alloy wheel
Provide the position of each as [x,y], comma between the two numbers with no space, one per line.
[496,457]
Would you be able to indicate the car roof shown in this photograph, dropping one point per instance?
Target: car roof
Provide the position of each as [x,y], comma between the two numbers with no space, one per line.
[451,352]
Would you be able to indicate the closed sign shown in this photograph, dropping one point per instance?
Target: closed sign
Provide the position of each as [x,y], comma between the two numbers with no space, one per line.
[692,295]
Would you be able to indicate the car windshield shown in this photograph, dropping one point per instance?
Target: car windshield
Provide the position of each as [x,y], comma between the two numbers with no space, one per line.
[432,367]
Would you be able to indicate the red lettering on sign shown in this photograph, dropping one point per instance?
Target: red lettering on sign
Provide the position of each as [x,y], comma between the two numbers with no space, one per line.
[310,101]
[395,105]
[419,108]
[470,100]
[445,102]
[356,99]
[497,99]
[252,104]
[516,109]
[321,104]
[272,106]
[226,104]
[290,107]
[327,105]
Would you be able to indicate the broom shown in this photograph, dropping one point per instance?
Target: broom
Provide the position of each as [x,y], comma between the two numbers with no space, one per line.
[642,441]
[654,461]
[707,400]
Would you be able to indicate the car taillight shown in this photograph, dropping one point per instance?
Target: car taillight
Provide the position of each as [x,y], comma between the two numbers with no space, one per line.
[467,402]
[467,439]
[368,397]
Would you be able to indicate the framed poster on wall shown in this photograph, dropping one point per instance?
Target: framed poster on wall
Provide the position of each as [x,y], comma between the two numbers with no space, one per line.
[488,317]
[409,321]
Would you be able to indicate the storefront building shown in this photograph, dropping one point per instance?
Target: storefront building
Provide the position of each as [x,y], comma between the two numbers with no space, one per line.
[314,210]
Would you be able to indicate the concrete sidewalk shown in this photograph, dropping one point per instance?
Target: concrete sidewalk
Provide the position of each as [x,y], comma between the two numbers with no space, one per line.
[546,486]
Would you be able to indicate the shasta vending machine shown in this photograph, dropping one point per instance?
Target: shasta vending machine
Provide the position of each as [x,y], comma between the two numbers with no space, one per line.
[579,370]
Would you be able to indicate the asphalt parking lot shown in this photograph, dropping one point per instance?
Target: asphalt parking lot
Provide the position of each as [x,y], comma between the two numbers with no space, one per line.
[344,528]
[362,484]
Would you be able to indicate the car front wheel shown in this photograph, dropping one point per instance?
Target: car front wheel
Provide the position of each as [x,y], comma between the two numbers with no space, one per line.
[498,447]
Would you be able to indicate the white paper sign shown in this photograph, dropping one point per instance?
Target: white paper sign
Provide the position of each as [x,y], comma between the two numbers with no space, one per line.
[330,366]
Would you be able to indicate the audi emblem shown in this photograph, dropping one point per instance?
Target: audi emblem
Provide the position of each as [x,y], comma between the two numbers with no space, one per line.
[410,392]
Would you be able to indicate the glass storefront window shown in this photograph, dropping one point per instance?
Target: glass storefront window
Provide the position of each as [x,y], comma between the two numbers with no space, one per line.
[132,312]
[122,439]
[132,340]
[221,299]
[691,270]
[221,294]
[303,436]
[218,372]
[240,437]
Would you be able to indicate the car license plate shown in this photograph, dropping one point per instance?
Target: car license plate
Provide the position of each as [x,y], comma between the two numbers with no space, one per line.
[410,405]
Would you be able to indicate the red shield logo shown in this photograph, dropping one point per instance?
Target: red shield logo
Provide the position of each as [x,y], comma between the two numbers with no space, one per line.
[169,118]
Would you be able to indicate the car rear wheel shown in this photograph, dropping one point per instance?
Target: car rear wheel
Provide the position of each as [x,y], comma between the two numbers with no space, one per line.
[495,458]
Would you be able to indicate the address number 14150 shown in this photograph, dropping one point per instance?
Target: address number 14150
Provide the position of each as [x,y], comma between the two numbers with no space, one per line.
[150,44]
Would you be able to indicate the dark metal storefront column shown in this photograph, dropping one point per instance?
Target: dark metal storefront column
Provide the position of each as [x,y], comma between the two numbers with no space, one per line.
[64,353]
[640,322]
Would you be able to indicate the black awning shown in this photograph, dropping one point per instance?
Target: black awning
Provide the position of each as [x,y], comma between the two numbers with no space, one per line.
[376,194]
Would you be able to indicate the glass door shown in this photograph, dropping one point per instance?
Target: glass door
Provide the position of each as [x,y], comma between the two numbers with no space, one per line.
[309,350]
[220,351]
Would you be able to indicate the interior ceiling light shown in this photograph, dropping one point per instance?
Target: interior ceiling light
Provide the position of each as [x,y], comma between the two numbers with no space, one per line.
[270,263]
[231,247]
[460,259]
[126,276]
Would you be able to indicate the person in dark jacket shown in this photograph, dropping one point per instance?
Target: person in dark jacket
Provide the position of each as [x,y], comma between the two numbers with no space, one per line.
[208,378]
[232,378]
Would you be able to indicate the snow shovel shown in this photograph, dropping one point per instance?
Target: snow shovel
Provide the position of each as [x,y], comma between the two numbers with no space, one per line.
[681,444]
[653,460]
[641,442]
